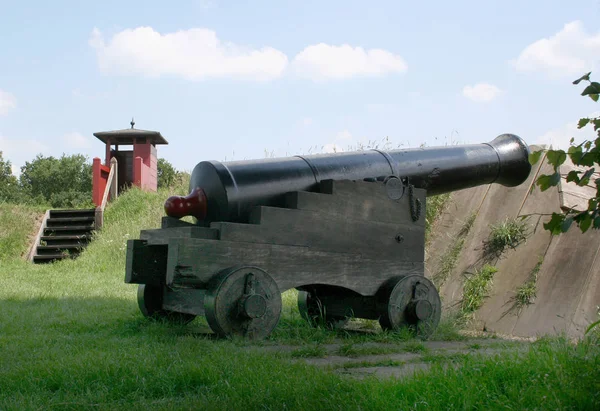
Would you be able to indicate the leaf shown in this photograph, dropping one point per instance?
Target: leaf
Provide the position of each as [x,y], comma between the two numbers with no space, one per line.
[582,123]
[596,122]
[594,97]
[587,159]
[592,326]
[555,223]
[585,179]
[566,224]
[535,157]
[556,157]
[573,176]
[597,222]
[593,88]
[585,223]
[584,77]
[592,204]
[575,152]
[547,181]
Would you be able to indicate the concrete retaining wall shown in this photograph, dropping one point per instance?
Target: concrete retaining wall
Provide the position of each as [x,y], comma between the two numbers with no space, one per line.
[568,280]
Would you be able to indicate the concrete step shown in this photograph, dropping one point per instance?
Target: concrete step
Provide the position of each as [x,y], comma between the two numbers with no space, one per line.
[67,232]
[70,221]
[58,249]
[43,259]
[65,239]
[88,212]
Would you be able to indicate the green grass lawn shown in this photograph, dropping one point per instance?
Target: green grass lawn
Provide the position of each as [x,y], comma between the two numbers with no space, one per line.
[72,337]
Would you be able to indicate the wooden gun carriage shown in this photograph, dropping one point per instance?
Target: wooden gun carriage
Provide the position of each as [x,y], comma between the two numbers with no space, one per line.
[346,230]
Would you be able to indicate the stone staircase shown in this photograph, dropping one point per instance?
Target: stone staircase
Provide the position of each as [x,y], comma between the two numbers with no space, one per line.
[66,233]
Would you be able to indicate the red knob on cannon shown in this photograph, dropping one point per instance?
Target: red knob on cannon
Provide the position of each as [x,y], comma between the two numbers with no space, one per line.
[193,204]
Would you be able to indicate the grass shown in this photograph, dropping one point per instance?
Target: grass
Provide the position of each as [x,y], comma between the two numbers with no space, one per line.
[435,207]
[365,364]
[476,287]
[506,234]
[310,351]
[17,224]
[526,293]
[72,337]
[450,257]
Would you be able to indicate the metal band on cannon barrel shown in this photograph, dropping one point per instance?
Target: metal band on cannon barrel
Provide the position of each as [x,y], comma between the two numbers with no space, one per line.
[234,188]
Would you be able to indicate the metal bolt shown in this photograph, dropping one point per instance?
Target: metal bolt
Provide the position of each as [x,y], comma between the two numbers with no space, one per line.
[399,238]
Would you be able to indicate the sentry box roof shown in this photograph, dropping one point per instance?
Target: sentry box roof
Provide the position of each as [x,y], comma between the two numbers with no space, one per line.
[130,136]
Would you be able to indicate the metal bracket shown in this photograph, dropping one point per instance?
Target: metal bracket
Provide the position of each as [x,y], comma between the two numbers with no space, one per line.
[414,203]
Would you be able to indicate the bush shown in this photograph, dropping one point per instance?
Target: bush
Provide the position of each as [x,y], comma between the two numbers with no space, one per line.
[60,182]
[507,234]
[476,287]
[10,192]
[166,173]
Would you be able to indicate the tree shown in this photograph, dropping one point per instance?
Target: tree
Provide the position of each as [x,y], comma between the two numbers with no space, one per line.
[166,173]
[9,185]
[62,182]
[585,154]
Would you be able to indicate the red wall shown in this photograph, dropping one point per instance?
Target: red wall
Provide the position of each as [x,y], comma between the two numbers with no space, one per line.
[99,180]
[145,169]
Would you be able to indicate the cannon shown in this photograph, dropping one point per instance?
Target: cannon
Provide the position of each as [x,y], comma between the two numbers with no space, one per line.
[347,230]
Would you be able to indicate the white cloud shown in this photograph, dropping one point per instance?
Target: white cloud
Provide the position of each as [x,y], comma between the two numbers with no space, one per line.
[194,54]
[332,148]
[571,52]
[76,140]
[481,92]
[307,121]
[344,135]
[198,54]
[7,102]
[560,138]
[322,61]
[19,151]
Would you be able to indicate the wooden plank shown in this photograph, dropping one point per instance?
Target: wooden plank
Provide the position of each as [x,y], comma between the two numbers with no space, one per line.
[328,232]
[162,235]
[170,222]
[145,263]
[193,262]
[184,300]
[358,200]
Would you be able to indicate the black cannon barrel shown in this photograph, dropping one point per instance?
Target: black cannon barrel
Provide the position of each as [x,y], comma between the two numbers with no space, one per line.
[231,189]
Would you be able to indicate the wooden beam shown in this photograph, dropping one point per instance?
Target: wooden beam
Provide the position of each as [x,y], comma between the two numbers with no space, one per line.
[193,262]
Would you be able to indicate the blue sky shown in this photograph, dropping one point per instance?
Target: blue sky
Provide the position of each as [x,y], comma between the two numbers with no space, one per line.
[230,80]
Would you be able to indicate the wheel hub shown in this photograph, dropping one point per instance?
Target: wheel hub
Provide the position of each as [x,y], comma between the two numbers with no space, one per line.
[420,310]
[253,306]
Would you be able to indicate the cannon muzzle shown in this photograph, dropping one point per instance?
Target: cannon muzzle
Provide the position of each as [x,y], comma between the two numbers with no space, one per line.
[228,191]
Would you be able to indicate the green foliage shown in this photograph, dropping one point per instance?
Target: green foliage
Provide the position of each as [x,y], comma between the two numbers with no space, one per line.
[450,258]
[585,154]
[166,173]
[528,291]
[476,288]
[60,182]
[18,224]
[310,351]
[435,207]
[506,234]
[10,191]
